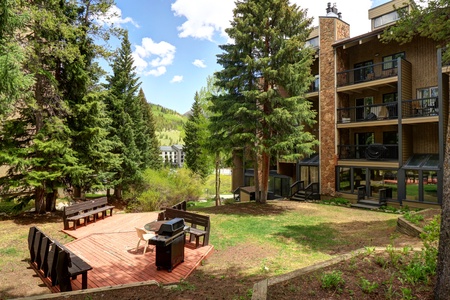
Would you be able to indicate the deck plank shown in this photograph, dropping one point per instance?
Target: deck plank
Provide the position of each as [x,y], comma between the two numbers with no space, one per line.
[109,246]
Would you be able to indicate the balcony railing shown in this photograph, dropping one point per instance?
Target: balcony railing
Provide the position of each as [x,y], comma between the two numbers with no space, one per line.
[424,107]
[368,112]
[367,73]
[369,152]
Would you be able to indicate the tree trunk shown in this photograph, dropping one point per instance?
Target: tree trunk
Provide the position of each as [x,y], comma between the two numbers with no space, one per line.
[442,289]
[77,192]
[39,200]
[256,178]
[118,192]
[50,200]
[265,169]
[218,179]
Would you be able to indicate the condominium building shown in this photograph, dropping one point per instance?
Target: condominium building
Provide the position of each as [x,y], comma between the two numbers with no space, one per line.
[172,155]
[382,115]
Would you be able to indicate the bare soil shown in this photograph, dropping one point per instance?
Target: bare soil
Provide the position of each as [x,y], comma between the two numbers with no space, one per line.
[220,276]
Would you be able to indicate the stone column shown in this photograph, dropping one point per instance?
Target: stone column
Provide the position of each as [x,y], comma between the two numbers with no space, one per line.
[331,29]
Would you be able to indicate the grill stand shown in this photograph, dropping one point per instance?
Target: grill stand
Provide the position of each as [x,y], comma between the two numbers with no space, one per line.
[171,254]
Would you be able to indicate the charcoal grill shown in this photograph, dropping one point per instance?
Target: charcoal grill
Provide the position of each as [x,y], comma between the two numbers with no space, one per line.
[169,244]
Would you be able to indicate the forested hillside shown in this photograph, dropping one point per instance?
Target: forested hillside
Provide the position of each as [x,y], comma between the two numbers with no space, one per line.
[169,125]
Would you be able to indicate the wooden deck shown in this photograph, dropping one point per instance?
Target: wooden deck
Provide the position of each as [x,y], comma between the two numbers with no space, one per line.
[109,246]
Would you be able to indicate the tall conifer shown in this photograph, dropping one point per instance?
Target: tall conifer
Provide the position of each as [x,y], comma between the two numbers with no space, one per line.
[266,72]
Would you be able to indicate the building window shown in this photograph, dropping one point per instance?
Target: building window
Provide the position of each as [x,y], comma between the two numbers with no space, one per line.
[385,19]
[362,70]
[391,97]
[314,42]
[429,92]
[390,61]
[363,108]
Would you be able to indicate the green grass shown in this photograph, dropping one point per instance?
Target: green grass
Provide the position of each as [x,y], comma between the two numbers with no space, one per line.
[293,239]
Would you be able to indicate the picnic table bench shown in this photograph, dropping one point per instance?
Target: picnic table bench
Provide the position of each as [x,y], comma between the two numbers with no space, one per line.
[85,210]
[193,220]
[55,261]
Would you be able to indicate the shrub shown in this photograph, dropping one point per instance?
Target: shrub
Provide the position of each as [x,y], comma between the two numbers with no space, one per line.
[413,217]
[367,286]
[165,188]
[332,280]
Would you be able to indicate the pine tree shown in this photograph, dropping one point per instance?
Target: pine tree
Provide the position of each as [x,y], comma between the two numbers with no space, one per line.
[123,107]
[36,143]
[14,82]
[195,152]
[266,73]
[149,145]
[78,81]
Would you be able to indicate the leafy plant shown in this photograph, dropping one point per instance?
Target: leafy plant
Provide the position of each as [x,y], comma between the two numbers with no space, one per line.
[185,286]
[369,250]
[367,286]
[407,293]
[332,280]
[413,217]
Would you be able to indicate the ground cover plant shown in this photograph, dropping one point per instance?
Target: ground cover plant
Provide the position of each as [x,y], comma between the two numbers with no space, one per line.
[252,242]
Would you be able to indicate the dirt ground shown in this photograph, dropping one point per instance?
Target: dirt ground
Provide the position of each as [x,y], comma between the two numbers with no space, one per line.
[220,276]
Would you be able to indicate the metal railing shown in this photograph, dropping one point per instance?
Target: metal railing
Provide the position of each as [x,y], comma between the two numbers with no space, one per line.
[367,73]
[369,152]
[368,112]
[297,186]
[424,107]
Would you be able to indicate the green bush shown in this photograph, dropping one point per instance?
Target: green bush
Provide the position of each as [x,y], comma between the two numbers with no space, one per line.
[413,217]
[166,187]
[332,280]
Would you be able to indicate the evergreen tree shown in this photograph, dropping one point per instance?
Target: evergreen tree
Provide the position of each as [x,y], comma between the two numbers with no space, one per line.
[36,144]
[149,145]
[14,82]
[432,21]
[266,73]
[123,107]
[196,156]
[78,81]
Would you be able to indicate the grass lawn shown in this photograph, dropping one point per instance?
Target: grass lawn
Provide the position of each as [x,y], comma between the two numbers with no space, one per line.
[251,242]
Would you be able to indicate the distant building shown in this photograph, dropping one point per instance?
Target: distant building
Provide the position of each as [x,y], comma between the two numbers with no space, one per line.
[172,155]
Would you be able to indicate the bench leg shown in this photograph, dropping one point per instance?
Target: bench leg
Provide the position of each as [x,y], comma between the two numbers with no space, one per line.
[84,280]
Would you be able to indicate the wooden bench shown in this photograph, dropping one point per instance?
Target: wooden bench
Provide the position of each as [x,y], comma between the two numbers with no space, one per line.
[85,210]
[56,261]
[193,220]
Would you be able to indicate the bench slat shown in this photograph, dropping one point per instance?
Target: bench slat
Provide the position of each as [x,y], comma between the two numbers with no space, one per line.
[84,210]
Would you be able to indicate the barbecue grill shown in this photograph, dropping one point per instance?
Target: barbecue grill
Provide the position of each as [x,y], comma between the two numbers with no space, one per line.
[169,244]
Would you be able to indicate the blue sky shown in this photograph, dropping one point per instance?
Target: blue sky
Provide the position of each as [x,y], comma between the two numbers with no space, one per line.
[175,42]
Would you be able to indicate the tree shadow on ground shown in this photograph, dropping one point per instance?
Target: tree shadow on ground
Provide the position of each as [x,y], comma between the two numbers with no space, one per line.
[339,238]
[36,219]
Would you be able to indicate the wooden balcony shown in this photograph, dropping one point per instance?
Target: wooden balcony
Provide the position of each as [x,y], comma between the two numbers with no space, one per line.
[385,73]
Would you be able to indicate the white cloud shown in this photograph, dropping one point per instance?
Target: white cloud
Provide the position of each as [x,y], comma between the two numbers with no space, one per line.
[199,63]
[113,18]
[151,58]
[204,18]
[176,79]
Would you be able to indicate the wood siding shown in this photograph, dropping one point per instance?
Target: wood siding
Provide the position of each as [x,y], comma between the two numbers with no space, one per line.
[385,8]
[426,138]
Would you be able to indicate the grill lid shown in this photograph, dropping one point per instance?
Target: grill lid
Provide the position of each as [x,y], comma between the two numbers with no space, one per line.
[171,227]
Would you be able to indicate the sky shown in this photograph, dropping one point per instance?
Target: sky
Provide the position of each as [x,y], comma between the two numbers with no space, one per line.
[175,42]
